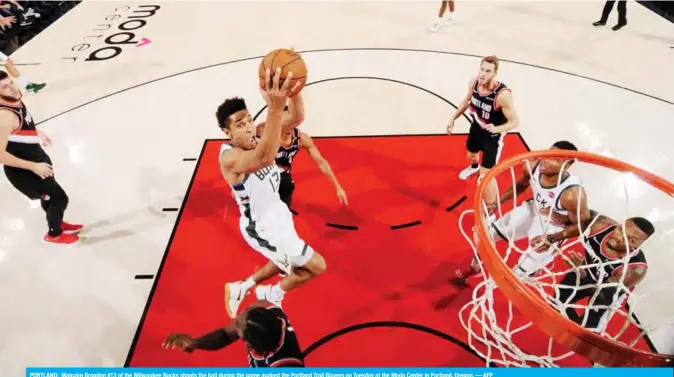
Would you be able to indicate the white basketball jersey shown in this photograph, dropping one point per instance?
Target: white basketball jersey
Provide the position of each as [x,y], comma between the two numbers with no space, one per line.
[257,196]
[546,197]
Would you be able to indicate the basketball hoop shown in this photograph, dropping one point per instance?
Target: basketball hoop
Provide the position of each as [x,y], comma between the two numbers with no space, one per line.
[487,328]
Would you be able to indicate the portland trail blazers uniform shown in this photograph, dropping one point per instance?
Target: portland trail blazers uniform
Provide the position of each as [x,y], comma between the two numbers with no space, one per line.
[284,160]
[24,143]
[526,220]
[266,222]
[483,111]
[287,353]
[599,268]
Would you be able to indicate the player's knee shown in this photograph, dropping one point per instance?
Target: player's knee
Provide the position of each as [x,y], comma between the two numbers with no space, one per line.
[59,198]
[317,264]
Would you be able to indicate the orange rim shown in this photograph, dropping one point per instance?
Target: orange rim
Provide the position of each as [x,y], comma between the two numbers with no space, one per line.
[584,342]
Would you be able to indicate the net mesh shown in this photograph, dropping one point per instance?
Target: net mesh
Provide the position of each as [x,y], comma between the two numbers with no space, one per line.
[586,291]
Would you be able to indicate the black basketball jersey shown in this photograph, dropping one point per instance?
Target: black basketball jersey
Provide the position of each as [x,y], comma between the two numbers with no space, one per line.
[483,107]
[284,157]
[596,242]
[24,142]
[287,353]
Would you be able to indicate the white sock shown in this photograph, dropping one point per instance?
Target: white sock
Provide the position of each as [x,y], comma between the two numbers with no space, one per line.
[276,292]
[21,80]
[248,284]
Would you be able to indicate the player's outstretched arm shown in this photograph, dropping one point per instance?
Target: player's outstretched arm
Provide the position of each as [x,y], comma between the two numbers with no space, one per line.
[296,108]
[307,142]
[462,108]
[522,184]
[214,340]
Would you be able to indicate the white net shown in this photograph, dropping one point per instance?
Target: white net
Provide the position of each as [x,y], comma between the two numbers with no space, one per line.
[580,277]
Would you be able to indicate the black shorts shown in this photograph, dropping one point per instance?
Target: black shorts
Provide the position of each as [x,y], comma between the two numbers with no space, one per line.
[286,188]
[481,140]
[30,184]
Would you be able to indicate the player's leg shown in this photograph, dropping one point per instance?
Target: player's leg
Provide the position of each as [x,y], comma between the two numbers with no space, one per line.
[301,261]
[236,291]
[53,198]
[622,15]
[258,240]
[55,201]
[443,7]
[491,155]
[608,6]
[473,146]
[513,225]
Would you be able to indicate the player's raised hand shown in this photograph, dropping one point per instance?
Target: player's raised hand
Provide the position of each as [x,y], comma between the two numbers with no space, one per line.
[276,94]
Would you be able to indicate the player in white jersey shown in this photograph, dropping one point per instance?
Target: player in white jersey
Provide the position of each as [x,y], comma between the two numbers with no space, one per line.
[554,190]
[247,164]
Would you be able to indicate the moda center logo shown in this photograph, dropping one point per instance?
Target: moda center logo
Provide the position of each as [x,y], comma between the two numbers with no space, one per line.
[119,31]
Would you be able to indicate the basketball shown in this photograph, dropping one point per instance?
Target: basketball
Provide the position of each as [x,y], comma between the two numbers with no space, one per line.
[288,61]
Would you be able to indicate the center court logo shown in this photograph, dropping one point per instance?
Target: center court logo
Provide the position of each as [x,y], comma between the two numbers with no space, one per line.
[119,31]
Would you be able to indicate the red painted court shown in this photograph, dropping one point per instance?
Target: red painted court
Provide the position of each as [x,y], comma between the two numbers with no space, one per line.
[385,298]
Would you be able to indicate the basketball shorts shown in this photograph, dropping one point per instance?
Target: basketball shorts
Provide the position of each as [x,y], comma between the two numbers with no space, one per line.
[29,183]
[278,241]
[481,140]
[525,222]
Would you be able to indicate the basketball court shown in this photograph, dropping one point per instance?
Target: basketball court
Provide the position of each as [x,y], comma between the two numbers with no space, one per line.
[135,144]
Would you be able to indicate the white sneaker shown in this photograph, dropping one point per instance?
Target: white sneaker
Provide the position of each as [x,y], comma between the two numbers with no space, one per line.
[436,25]
[448,19]
[234,295]
[467,172]
[263,292]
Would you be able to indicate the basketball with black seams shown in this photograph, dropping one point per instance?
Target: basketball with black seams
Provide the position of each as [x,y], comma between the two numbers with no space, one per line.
[288,61]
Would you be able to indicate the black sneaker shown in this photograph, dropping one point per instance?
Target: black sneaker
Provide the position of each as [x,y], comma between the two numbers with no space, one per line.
[619,26]
[599,23]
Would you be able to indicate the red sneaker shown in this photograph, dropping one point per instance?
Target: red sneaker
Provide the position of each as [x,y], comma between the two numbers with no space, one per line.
[70,228]
[64,238]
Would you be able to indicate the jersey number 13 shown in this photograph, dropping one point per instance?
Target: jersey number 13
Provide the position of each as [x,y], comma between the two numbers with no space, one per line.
[275,181]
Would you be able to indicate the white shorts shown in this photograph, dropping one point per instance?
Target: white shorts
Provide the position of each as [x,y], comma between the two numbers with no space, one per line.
[278,241]
[525,222]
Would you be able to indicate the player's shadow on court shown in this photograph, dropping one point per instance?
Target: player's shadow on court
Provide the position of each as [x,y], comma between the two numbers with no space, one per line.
[133,218]
[440,278]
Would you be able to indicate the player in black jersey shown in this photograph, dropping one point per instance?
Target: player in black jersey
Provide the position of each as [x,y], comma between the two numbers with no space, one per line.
[292,140]
[603,262]
[493,114]
[27,167]
[270,339]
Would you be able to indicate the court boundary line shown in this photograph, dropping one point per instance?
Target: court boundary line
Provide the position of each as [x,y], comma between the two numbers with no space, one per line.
[349,49]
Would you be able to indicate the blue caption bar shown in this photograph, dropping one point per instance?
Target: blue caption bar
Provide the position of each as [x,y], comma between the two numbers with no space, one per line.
[347,372]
